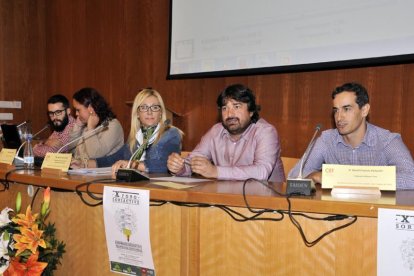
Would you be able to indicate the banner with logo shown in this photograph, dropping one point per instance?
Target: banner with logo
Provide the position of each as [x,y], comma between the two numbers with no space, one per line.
[126,216]
[395,243]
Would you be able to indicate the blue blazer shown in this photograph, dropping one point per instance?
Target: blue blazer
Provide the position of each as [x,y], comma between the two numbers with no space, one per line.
[156,155]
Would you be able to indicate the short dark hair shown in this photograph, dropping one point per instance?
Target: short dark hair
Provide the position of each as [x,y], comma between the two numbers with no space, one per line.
[240,93]
[361,93]
[58,98]
[90,96]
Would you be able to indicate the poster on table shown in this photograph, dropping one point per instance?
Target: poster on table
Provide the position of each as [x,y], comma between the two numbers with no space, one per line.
[395,242]
[126,217]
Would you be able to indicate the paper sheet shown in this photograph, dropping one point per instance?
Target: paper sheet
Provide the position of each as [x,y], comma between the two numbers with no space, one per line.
[180,179]
[92,171]
[395,243]
[173,185]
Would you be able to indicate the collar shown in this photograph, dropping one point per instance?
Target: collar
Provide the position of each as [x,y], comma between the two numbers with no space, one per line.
[226,133]
[369,138]
[139,136]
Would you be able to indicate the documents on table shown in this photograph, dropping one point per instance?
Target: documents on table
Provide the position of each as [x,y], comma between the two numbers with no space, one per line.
[180,179]
[175,182]
[173,185]
[92,171]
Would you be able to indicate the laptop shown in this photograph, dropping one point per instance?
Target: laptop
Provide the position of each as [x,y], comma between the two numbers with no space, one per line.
[11,138]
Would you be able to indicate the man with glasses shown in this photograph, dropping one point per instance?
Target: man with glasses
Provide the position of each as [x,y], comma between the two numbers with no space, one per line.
[60,121]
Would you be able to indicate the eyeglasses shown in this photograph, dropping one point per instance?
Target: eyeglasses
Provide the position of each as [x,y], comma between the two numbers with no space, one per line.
[153,108]
[55,113]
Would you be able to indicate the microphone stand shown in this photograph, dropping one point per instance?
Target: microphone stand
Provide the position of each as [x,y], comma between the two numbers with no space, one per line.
[131,175]
[103,125]
[300,185]
[35,135]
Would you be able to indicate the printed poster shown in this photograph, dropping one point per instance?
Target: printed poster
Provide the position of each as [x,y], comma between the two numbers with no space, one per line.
[126,217]
[395,254]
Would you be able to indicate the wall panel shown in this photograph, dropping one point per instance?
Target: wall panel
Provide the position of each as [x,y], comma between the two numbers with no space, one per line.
[120,46]
[23,59]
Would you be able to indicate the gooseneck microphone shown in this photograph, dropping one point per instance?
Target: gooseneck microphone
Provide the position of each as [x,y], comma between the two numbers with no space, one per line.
[99,128]
[34,136]
[166,123]
[131,175]
[40,131]
[300,185]
[306,154]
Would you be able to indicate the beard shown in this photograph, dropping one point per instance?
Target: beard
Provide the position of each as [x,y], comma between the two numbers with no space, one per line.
[234,126]
[59,125]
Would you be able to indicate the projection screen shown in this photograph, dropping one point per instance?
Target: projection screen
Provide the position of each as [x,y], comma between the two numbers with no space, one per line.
[236,37]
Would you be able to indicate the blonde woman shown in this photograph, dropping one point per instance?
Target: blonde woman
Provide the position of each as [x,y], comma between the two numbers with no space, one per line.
[151,139]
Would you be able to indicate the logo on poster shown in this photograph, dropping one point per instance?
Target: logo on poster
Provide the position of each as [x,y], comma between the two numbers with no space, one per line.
[404,222]
[125,198]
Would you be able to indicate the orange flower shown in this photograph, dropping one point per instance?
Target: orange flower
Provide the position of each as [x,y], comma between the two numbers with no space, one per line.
[29,239]
[46,202]
[31,268]
[19,246]
[15,268]
[26,220]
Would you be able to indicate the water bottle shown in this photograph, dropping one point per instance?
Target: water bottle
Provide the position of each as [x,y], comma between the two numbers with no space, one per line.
[28,152]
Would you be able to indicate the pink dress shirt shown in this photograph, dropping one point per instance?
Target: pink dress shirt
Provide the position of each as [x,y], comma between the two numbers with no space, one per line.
[255,155]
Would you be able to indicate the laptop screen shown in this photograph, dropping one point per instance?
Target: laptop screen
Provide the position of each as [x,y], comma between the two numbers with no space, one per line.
[11,137]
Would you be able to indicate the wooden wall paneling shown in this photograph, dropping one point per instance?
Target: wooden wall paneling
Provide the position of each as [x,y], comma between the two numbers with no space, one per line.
[119,47]
[407,126]
[259,244]
[23,59]
[207,241]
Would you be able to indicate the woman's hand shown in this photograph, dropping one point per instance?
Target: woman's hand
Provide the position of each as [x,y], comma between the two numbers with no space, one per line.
[76,164]
[93,120]
[121,164]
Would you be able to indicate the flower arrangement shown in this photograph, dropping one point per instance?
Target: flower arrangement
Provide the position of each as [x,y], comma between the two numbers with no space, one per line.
[27,244]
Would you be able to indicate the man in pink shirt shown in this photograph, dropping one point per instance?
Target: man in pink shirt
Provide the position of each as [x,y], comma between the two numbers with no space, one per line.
[60,121]
[242,146]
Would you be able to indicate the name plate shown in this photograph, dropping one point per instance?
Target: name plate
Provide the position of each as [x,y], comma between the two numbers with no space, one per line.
[59,161]
[7,156]
[381,177]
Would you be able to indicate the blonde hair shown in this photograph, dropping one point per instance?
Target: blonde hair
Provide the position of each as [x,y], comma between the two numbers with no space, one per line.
[136,124]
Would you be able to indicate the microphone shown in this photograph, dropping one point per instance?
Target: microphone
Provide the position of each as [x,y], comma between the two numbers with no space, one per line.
[23,123]
[302,185]
[34,136]
[131,175]
[40,131]
[100,127]
[166,123]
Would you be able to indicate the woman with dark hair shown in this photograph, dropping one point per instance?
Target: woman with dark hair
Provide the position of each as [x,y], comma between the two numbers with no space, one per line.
[92,111]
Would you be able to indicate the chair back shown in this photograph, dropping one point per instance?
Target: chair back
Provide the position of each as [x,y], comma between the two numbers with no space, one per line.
[289,163]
